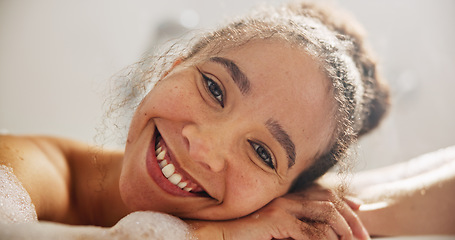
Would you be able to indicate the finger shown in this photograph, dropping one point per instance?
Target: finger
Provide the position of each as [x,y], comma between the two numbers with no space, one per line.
[292,228]
[326,212]
[344,207]
[353,203]
[328,232]
[320,231]
[354,222]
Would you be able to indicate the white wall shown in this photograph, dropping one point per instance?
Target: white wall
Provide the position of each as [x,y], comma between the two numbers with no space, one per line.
[57,55]
[414,39]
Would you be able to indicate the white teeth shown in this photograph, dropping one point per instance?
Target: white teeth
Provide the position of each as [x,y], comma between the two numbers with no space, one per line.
[161,155]
[158,151]
[168,170]
[163,164]
[182,184]
[175,178]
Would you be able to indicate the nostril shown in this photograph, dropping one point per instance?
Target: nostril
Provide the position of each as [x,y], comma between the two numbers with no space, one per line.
[205,165]
[187,134]
[202,148]
[186,143]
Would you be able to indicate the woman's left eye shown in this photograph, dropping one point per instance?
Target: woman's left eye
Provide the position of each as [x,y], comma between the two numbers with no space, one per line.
[263,153]
[214,89]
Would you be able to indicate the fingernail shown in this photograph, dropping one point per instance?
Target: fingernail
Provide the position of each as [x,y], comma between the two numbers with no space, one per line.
[353,202]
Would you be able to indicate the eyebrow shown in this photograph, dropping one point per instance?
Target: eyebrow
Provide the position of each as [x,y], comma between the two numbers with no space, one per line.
[243,83]
[240,79]
[283,138]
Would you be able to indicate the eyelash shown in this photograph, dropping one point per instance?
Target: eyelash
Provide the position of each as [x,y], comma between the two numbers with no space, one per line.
[263,154]
[214,89]
[217,93]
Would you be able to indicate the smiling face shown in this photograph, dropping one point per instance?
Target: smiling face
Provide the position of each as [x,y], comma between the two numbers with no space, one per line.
[222,136]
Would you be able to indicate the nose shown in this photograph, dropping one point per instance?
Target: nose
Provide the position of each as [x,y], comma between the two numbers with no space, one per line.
[205,147]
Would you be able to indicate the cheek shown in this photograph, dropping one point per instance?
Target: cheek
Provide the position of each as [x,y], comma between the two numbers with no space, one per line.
[173,97]
[167,99]
[246,193]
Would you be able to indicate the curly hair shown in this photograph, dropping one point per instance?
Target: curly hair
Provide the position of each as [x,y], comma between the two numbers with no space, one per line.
[329,35]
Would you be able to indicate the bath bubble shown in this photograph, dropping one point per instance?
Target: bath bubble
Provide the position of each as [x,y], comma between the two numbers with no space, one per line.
[15,203]
[150,225]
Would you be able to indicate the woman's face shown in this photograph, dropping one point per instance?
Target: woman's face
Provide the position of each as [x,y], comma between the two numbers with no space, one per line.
[234,129]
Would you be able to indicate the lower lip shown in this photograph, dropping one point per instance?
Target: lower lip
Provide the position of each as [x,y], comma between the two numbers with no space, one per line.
[155,173]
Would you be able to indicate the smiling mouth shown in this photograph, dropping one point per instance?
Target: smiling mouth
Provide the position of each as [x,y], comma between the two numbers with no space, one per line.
[172,179]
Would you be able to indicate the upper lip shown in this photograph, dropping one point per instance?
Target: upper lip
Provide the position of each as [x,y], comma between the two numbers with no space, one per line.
[175,160]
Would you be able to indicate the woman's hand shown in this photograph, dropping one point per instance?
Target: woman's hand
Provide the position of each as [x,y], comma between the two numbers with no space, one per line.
[325,206]
[314,213]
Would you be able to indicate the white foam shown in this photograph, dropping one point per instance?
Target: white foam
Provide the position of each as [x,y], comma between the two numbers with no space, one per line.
[150,225]
[15,203]
[16,207]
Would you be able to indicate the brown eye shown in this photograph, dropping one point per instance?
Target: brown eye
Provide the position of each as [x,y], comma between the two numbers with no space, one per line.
[214,89]
[263,154]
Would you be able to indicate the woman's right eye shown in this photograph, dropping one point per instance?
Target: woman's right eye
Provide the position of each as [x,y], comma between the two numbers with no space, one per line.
[214,89]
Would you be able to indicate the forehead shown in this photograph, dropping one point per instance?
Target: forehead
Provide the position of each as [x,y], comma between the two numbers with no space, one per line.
[282,66]
[288,85]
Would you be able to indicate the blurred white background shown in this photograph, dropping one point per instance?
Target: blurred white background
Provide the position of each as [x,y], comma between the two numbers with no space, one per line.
[56,57]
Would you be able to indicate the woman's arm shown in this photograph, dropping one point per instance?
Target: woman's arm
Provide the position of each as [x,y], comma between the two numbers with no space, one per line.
[418,201]
[399,171]
[316,213]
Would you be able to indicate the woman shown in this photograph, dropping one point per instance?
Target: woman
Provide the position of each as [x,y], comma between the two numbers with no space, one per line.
[246,114]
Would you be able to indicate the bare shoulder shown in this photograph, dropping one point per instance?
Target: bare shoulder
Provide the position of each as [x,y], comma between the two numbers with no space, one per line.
[19,152]
[41,168]
[44,166]
[23,153]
